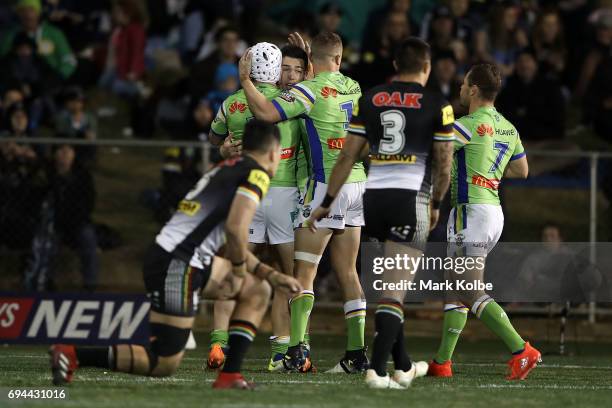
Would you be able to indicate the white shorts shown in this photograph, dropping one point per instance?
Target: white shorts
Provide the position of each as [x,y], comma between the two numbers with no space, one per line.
[346,210]
[474,229]
[275,217]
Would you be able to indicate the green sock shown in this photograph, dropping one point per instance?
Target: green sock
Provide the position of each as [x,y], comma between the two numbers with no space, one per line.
[301,306]
[454,322]
[279,344]
[494,317]
[219,337]
[354,314]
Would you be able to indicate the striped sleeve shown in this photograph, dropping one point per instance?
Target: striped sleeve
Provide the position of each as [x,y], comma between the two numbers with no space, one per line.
[255,186]
[357,123]
[463,135]
[219,124]
[519,150]
[296,101]
[443,131]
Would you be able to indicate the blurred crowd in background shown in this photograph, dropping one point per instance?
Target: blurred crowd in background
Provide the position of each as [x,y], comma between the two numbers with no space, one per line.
[174,61]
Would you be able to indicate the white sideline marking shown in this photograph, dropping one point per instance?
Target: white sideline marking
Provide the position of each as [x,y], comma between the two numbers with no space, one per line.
[568,366]
[544,387]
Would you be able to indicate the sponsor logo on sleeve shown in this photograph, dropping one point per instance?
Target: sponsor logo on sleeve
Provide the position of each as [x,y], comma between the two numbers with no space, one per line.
[326,92]
[286,96]
[260,179]
[237,107]
[287,152]
[448,116]
[188,207]
[484,130]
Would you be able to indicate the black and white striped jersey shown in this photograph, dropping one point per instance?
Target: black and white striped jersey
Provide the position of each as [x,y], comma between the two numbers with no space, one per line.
[196,232]
[401,120]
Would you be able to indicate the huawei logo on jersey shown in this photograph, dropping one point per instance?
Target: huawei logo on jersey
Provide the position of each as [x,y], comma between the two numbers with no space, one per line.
[237,106]
[335,144]
[396,99]
[480,181]
[287,152]
[327,91]
[484,130]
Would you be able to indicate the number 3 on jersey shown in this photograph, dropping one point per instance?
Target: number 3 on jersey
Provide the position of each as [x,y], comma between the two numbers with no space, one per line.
[394,139]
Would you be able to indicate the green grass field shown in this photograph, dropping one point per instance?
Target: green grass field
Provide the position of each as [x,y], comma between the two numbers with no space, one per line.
[583,380]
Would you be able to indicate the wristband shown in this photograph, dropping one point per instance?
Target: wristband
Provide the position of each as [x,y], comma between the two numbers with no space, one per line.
[327,201]
[435,204]
[240,263]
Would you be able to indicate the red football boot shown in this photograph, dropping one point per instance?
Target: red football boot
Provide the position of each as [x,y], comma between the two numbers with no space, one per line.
[63,363]
[227,381]
[440,370]
[520,365]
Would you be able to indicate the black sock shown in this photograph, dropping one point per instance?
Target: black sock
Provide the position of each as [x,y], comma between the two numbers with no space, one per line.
[241,335]
[388,321]
[400,356]
[93,356]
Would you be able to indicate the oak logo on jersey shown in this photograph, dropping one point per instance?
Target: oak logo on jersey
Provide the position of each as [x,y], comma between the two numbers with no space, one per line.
[260,179]
[287,152]
[336,143]
[237,106]
[484,130]
[326,92]
[189,207]
[396,99]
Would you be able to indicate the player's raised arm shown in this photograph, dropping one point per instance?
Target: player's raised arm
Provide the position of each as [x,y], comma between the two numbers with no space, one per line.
[261,107]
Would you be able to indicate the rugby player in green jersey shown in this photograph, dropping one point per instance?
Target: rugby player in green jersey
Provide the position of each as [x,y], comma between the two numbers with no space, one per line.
[325,103]
[274,220]
[487,148]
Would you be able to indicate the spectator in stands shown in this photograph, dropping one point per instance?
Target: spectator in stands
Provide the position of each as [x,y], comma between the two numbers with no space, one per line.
[21,177]
[464,23]
[549,44]
[11,95]
[36,79]
[73,192]
[444,78]
[504,38]
[51,44]
[533,102]
[226,82]
[124,66]
[599,50]
[598,99]
[125,56]
[376,64]
[376,19]
[203,72]
[75,122]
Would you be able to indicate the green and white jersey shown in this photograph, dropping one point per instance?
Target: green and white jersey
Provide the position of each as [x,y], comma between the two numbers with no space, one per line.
[232,117]
[326,104]
[485,143]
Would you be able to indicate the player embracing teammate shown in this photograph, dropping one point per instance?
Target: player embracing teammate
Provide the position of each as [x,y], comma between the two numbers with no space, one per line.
[326,104]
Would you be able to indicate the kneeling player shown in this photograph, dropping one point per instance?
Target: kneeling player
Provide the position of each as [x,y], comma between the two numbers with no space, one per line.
[217,211]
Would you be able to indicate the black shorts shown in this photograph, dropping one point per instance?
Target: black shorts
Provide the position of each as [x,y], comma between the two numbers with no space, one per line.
[390,214]
[172,285]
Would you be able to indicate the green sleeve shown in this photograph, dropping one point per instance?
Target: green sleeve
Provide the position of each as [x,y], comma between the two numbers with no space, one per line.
[66,62]
[462,129]
[294,102]
[219,125]
[519,150]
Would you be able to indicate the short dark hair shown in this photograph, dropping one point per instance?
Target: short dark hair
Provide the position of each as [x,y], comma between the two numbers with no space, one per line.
[411,55]
[225,29]
[487,78]
[293,51]
[325,43]
[259,136]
